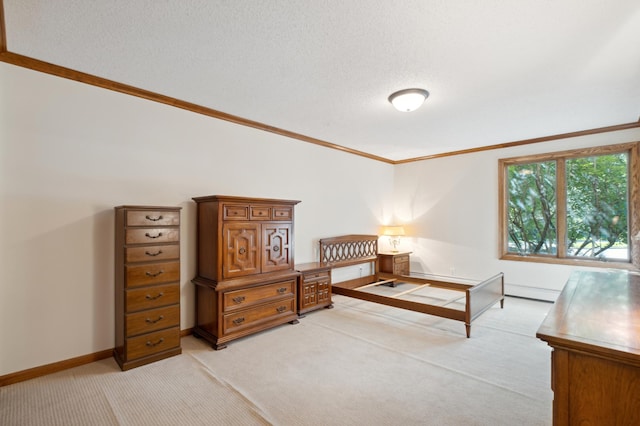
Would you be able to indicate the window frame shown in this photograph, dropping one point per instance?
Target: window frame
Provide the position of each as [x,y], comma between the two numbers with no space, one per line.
[633,150]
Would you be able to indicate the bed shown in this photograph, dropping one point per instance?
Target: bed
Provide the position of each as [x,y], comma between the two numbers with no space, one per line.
[460,301]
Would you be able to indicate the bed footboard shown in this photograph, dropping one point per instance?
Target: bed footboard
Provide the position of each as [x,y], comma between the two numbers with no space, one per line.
[482,296]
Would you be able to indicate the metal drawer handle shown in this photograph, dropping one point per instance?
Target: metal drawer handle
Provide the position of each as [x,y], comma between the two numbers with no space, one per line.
[150,321]
[154,219]
[276,249]
[238,299]
[153,236]
[152,275]
[150,297]
[151,344]
[282,290]
[238,321]
[153,254]
[281,309]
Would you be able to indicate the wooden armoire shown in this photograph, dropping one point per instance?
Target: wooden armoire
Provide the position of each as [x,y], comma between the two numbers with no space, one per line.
[246,281]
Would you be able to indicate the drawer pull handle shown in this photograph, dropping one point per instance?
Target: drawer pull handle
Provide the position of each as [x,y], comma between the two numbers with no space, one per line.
[150,321]
[276,249]
[151,344]
[238,321]
[238,299]
[281,309]
[153,236]
[150,297]
[153,254]
[154,219]
[282,290]
[152,275]
[242,250]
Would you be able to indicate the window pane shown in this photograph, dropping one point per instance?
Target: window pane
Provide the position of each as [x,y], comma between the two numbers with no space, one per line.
[531,204]
[597,189]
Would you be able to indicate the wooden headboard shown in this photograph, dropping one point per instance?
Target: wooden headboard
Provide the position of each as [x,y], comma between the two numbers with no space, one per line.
[348,250]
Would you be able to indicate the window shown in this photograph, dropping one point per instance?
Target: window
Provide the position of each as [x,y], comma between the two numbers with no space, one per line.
[572,207]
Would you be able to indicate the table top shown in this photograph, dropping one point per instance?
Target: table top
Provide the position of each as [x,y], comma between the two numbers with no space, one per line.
[597,312]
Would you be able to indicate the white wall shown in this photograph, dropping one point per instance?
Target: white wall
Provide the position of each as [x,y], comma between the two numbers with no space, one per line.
[70,152]
[451,208]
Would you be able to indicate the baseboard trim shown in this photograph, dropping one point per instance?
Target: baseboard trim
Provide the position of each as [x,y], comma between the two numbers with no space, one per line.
[536,293]
[43,370]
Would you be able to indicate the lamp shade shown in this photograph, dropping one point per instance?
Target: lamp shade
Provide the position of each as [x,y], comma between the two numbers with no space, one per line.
[409,99]
[393,231]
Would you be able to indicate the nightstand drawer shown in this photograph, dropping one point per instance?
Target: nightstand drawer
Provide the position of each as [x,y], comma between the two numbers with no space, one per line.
[151,297]
[244,298]
[152,320]
[152,218]
[309,277]
[151,253]
[152,273]
[149,344]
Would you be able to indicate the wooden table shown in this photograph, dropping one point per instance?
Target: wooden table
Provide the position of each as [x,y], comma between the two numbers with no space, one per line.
[594,330]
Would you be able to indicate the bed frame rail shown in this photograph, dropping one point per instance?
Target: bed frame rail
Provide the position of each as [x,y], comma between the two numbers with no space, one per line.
[349,250]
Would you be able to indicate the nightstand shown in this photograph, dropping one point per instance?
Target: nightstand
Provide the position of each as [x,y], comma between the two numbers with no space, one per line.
[394,263]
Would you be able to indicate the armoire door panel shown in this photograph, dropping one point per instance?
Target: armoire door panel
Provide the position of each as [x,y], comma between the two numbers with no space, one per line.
[240,247]
[276,239]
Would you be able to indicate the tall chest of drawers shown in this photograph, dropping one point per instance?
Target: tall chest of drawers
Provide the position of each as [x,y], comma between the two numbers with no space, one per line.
[246,281]
[147,284]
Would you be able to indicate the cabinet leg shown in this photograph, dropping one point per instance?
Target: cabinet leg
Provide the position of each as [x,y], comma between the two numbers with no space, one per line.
[295,321]
[218,347]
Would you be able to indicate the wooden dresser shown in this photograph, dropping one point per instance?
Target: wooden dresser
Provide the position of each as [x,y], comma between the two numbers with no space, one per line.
[246,281]
[314,287]
[594,330]
[147,284]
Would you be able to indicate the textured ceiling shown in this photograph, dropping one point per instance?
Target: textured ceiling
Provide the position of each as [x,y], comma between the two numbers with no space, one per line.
[498,70]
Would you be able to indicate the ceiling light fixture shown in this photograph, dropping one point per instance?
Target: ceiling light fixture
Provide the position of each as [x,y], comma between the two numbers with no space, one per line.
[408,99]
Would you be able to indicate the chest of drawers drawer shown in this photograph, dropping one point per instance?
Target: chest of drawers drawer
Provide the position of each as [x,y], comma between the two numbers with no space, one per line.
[151,235]
[240,299]
[152,343]
[151,297]
[152,218]
[152,320]
[152,273]
[151,253]
[249,317]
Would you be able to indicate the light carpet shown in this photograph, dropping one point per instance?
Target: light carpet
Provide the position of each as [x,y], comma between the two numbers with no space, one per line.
[357,364]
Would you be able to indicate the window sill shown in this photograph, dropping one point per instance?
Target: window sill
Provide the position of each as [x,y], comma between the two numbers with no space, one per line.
[572,262]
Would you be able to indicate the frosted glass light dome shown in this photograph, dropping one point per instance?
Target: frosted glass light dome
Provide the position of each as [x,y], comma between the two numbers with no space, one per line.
[409,99]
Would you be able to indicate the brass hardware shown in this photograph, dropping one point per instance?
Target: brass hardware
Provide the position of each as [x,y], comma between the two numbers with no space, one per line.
[154,219]
[150,297]
[281,309]
[152,275]
[153,254]
[242,250]
[150,321]
[149,343]
[282,290]
[238,321]
[276,249]
[238,299]
[153,236]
